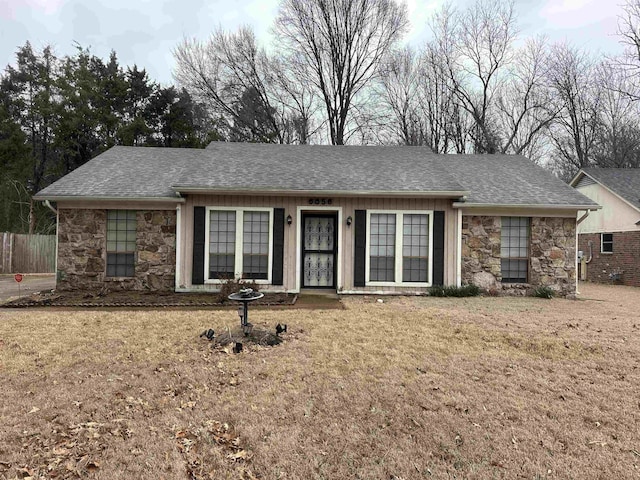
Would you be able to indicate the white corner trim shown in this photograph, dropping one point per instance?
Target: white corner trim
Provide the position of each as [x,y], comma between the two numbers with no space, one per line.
[459,250]
[178,276]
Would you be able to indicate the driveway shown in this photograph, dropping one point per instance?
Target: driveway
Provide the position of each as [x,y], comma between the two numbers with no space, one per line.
[31,283]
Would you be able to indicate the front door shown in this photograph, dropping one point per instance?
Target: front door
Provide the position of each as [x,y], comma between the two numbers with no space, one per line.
[319,250]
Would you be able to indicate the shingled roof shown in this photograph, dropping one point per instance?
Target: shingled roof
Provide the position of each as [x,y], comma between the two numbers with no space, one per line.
[625,182]
[137,173]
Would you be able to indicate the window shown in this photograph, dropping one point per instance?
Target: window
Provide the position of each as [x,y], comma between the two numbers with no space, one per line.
[239,243]
[514,249]
[398,246]
[382,262]
[606,243]
[255,247]
[415,248]
[222,244]
[121,243]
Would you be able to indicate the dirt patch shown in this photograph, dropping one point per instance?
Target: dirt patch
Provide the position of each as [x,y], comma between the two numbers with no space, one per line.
[409,388]
[256,335]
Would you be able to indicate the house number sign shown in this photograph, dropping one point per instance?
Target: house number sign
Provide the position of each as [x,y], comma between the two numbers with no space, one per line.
[320,201]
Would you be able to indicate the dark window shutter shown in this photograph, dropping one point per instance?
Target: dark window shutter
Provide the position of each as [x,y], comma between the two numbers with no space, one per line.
[438,248]
[359,261]
[278,247]
[197,270]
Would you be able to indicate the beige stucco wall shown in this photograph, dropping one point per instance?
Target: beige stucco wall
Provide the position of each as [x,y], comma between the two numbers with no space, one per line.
[292,206]
[616,215]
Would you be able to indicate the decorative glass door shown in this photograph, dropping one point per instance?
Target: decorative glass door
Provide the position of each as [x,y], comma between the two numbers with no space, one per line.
[319,247]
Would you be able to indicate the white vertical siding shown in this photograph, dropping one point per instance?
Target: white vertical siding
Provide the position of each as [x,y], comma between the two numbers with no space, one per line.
[290,204]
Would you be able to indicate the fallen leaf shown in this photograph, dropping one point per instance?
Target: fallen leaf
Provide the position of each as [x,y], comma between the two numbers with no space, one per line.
[34,410]
[239,455]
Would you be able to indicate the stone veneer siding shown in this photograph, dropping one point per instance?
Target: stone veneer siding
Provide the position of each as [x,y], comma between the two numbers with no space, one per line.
[625,259]
[82,253]
[552,253]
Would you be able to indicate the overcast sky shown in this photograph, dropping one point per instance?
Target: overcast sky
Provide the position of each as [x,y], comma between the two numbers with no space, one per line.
[145,31]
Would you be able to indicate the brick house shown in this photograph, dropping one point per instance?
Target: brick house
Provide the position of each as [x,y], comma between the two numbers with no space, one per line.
[610,238]
[352,219]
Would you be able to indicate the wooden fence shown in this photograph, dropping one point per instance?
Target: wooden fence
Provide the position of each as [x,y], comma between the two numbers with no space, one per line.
[27,253]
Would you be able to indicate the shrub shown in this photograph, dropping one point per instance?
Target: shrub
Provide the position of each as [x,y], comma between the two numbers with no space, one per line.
[544,292]
[453,291]
[233,285]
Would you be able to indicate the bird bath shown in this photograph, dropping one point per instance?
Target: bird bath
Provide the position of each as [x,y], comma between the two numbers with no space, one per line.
[245,296]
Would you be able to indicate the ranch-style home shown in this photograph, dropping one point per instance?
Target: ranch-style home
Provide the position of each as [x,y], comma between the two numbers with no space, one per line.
[609,239]
[351,219]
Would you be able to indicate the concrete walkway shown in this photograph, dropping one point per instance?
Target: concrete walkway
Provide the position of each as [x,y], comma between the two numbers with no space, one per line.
[31,283]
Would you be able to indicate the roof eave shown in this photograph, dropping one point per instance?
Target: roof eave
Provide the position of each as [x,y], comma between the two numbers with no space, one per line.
[68,198]
[577,176]
[606,187]
[341,193]
[514,206]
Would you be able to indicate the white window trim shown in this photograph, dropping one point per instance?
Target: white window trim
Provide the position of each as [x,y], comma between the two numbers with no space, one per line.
[602,243]
[239,242]
[398,257]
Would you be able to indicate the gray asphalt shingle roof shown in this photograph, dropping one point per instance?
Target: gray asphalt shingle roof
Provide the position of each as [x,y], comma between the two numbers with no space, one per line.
[156,172]
[623,181]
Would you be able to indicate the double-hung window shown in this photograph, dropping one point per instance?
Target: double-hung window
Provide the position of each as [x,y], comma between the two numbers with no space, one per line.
[399,248]
[514,249]
[606,244]
[121,243]
[239,243]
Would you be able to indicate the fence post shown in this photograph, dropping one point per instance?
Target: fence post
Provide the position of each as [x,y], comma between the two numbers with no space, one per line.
[3,253]
[11,253]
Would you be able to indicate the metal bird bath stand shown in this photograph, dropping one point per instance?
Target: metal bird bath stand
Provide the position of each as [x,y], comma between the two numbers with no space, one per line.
[245,296]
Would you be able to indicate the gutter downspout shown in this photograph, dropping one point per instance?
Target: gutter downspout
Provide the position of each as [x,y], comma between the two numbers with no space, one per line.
[47,204]
[578,222]
[178,274]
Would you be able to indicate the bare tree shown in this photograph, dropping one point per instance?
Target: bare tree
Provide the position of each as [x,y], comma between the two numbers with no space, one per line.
[629,33]
[447,123]
[226,71]
[339,46]
[297,98]
[574,135]
[398,90]
[524,102]
[477,47]
[618,140]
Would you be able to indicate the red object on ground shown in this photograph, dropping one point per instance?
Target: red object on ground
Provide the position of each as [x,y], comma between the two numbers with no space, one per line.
[18,277]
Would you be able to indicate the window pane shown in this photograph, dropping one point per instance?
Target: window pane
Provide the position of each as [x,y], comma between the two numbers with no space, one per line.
[607,243]
[415,241]
[121,243]
[255,248]
[382,244]
[222,244]
[514,249]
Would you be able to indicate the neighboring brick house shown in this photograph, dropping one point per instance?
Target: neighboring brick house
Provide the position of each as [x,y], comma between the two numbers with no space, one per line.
[352,219]
[610,238]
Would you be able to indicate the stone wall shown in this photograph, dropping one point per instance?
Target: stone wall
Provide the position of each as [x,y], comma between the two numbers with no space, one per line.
[624,261]
[82,254]
[552,255]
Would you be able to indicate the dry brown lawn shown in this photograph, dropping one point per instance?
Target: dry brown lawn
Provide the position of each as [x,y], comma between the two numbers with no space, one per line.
[410,388]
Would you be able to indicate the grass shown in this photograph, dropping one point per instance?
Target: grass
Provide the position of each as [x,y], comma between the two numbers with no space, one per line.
[410,388]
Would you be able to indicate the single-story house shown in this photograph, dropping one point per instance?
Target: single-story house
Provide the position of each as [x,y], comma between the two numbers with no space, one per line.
[609,239]
[353,219]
